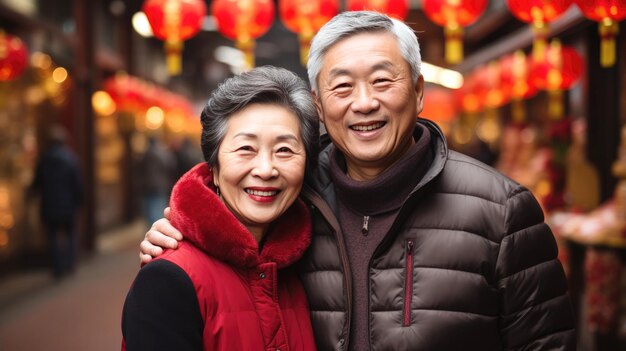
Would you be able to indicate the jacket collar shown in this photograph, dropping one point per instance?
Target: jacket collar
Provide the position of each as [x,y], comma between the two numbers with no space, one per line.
[198,213]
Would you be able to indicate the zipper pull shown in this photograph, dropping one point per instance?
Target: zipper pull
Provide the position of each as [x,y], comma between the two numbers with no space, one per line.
[365,227]
[409,247]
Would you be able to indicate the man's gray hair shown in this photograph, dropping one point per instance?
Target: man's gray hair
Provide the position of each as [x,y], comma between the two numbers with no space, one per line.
[265,85]
[350,23]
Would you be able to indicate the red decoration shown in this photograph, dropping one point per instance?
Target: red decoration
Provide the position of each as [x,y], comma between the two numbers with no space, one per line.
[306,17]
[603,272]
[516,82]
[243,21]
[135,95]
[393,8]
[471,96]
[561,69]
[453,16]
[607,13]
[174,21]
[515,76]
[538,13]
[439,105]
[13,57]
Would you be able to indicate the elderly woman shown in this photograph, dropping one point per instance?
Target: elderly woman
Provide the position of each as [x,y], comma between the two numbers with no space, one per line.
[228,286]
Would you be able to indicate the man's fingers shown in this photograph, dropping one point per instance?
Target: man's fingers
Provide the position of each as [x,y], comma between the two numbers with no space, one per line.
[166,213]
[164,227]
[147,248]
[144,259]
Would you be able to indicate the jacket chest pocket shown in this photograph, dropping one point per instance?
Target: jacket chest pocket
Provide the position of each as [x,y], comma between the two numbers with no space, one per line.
[409,248]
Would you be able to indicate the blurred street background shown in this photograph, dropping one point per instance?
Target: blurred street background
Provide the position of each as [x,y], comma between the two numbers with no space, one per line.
[78,312]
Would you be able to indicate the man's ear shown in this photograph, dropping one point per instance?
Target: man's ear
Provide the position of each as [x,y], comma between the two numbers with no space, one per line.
[318,106]
[419,92]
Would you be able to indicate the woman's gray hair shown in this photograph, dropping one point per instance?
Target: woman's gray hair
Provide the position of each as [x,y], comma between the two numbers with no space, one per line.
[265,85]
[350,23]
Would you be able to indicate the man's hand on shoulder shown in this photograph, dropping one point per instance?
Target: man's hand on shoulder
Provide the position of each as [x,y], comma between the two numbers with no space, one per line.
[162,235]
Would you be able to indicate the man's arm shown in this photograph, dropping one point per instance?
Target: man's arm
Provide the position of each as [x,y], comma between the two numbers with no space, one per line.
[161,235]
[536,312]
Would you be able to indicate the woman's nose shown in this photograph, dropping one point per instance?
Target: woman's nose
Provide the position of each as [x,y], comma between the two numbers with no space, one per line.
[264,167]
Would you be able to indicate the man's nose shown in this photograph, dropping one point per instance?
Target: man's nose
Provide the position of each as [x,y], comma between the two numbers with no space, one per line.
[365,99]
[264,167]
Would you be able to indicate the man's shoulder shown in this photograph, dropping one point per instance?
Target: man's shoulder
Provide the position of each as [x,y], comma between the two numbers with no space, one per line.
[469,175]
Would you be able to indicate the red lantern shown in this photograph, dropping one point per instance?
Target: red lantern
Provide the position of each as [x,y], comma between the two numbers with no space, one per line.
[127,92]
[13,57]
[454,15]
[538,13]
[471,96]
[562,68]
[393,8]
[517,83]
[306,17]
[174,21]
[607,13]
[560,71]
[439,105]
[243,21]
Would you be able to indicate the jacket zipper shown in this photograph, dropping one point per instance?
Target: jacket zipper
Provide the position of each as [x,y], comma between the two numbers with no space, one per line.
[366,223]
[408,283]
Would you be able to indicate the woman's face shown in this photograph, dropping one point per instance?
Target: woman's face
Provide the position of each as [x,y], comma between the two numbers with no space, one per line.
[261,164]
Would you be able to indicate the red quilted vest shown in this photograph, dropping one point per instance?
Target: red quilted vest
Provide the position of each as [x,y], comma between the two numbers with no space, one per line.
[248,300]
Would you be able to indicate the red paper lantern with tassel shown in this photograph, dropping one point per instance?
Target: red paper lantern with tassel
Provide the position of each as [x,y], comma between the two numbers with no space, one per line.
[539,14]
[561,70]
[453,16]
[243,21]
[306,17]
[174,21]
[607,13]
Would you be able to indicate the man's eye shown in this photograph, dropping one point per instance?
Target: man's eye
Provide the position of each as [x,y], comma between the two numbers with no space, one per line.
[342,86]
[381,80]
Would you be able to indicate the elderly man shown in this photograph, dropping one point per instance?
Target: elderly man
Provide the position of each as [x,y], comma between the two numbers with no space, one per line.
[415,247]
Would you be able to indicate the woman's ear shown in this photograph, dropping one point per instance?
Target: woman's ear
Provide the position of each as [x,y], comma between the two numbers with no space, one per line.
[215,172]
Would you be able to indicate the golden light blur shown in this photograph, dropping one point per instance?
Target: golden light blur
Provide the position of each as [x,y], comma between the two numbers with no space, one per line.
[488,129]
[462,135]
[102,103]
[59,75]
[175,122]
[4,238]
[40,60]
[154,117]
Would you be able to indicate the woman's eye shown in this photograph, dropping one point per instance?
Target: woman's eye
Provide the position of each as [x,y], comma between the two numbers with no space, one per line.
[284,149]
[245,148]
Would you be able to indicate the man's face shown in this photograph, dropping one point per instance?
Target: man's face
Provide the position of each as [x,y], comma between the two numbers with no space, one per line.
[368,102]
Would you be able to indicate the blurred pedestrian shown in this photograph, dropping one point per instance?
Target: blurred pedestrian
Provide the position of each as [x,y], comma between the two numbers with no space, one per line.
[187,155]
[58,182]
[157,168]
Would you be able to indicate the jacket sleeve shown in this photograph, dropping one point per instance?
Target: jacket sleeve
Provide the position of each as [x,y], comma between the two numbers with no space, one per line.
[161,311]
[536,311]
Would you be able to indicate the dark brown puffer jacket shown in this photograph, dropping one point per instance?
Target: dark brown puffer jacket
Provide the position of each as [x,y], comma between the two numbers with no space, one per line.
[469,264]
